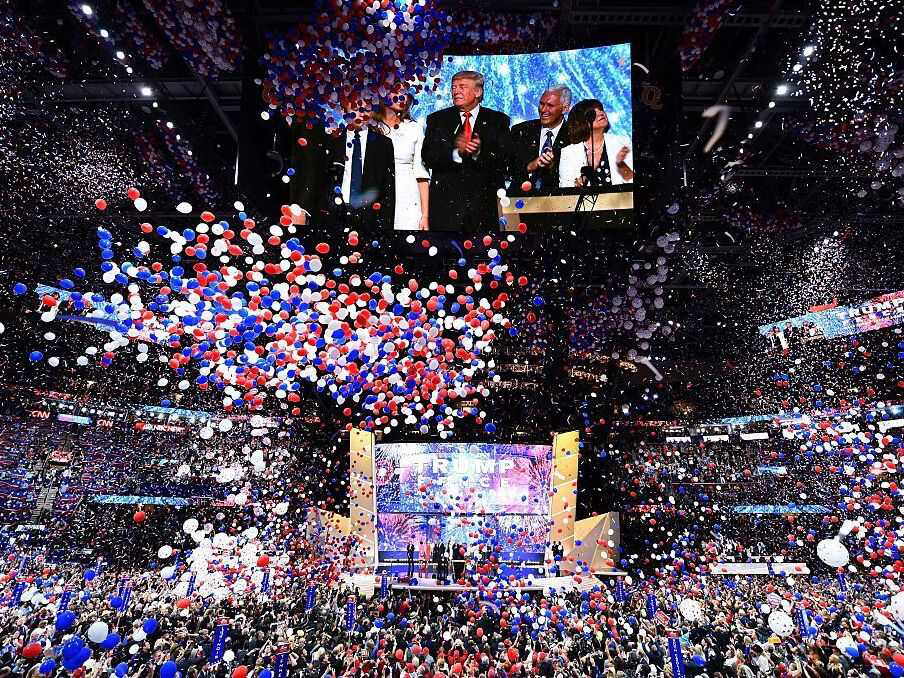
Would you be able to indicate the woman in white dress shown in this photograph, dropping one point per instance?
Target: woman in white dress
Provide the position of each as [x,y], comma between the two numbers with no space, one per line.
[412,179]
[592,145]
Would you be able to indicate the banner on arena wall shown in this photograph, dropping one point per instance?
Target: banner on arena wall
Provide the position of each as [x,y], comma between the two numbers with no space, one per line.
[136,499]
[350,614]
[281,665]
[877,313]
[310,598]
[63,605]
[675,656]
[775,509]
[219,641]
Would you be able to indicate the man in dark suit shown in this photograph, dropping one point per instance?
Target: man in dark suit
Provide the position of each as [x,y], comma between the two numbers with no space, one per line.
[536,144]
[346,179]
[466,146]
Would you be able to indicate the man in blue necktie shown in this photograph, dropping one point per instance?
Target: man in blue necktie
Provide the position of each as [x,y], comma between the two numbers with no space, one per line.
[346,180]
[536,144]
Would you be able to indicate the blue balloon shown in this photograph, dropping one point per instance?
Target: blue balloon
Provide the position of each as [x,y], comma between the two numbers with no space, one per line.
[895,669]
[116,602]
[111,641]
[65,620]
[168,670]
[699,661]
[47,666]
[121,669]
[90,575]
[19,289]
[35,356]
[266,673]
[149,626]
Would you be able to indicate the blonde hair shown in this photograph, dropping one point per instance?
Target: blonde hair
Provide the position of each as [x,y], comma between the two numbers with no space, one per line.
[471,75]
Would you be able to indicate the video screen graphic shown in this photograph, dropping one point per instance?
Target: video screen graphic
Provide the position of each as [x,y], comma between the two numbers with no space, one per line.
[878,313]
[462,493]
[514,84]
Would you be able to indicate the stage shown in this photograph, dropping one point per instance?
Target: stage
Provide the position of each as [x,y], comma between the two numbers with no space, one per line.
[368,585]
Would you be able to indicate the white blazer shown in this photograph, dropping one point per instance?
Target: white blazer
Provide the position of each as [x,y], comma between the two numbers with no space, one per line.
[573,158]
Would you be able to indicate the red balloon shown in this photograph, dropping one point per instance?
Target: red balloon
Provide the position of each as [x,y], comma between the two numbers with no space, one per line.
[512,654]
[32,650]
[263,561]
[139,516]
[240,672]
[183,603]
[100,204]
[322,248]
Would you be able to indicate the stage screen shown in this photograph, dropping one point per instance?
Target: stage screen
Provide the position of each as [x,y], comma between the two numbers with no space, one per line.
[463,493]
[514,84]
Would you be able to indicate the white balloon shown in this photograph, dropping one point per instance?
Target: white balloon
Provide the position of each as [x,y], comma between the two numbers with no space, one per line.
[896,605]
[190,525]
[833,553]
[141,204]
[183,207]
[206,433]
[98,632]
[164,552]
[228,655]
[691,609]
[781,624]
[225,425]
[139,635]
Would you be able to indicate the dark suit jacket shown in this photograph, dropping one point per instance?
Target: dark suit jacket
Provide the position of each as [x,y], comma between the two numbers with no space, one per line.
[525,140]
[463,195]
[319,166]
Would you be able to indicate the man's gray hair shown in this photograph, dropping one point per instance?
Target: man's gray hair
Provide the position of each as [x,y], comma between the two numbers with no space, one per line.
[564,93]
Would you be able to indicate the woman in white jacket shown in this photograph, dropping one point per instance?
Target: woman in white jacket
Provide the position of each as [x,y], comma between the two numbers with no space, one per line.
[592,145]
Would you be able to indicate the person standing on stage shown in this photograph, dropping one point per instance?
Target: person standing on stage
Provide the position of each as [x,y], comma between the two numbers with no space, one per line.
[411,177]
[467,147]
[536,144]
[593,149]
[346,180]
[410,560]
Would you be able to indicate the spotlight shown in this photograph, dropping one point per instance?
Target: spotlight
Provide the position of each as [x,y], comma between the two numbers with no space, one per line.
[146,91]
[758,124]
[86,10]
[782,90]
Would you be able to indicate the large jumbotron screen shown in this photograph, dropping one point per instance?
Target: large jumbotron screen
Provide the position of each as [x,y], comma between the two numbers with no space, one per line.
[514,84]
[463,493]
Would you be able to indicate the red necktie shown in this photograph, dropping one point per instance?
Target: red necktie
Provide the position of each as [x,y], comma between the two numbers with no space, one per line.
[467,115]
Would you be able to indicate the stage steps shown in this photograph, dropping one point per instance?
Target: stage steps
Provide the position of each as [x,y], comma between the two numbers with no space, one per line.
[44,502]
